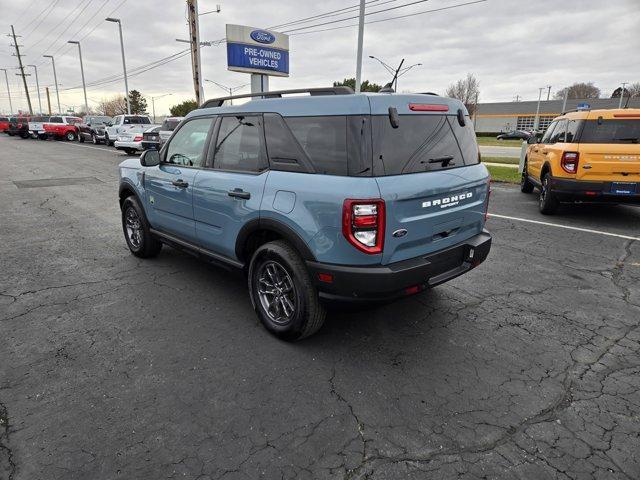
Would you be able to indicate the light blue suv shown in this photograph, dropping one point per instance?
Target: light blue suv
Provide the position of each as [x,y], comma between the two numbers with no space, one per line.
[329,196]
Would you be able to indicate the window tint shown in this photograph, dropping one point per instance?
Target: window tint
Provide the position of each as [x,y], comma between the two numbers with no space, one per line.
[187,145]
[559,132]
[4,119]
[611,131]
[73,120]
[466,137]
[139,120]
[548,133]
[420,143]
[169,125]
[284,151]
[55,120]
[324,140]
[240,144]
[572,130]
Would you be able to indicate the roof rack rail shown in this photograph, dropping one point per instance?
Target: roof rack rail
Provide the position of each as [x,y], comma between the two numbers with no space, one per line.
[342,90]
[576,110]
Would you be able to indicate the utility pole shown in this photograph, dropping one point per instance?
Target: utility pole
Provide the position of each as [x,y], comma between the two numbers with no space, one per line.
[84,86]
[8,90]
[537,120]
[55,80]
[194,39]
[360,42]
[48,100]
[622,94]
[548,92]
[124,64]
[37,87]
[564,101]
[24,75]
[475,110]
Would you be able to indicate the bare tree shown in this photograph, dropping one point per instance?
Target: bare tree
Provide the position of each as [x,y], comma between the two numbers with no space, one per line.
[116,105]
[466,90]
[579,90]
[632,90]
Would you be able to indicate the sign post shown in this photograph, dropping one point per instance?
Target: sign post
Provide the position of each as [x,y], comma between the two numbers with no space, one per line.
[262,53]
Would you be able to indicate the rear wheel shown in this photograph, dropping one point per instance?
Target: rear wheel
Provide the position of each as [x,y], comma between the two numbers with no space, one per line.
[94,139]
[130,151]
[107,142]
[136,230]
[526,186]
[81,137]
[70,136]
[282,292]
[548,202]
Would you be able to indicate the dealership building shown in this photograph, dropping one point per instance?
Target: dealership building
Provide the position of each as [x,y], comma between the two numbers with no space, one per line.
[506,116]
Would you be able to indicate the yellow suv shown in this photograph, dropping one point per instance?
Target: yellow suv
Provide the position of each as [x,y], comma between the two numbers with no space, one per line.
[585,156]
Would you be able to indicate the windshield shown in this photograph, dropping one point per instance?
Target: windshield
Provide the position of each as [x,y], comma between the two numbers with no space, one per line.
[138,120]
[100,120]
[169,125]
[611,131]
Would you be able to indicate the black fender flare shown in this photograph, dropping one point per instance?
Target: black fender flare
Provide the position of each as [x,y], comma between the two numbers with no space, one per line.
[126,186]
[276,226]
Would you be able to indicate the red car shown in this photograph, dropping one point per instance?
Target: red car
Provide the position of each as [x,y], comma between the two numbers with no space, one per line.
[63,127]
[4,124]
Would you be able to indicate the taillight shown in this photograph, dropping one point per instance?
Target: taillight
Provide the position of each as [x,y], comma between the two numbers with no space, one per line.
[569,162]
[363,224]
[137,138]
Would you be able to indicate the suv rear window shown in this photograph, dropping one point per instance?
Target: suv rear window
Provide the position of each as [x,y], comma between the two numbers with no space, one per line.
[169,125]
[4,119]
[421,143]
[611,131]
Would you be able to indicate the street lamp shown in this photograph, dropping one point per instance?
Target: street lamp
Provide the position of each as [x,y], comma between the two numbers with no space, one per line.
[228,89]
[124,64]
[8,90]
[38,87]
[55,80]
[153,104]
[537,120]
[84,86]
[624,84]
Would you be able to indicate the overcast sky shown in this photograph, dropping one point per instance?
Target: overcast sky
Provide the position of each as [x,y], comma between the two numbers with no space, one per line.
[513,47]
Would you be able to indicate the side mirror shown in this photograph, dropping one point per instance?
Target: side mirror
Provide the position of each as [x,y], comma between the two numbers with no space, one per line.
[150,158]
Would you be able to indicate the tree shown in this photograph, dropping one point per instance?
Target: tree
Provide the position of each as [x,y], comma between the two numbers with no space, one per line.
[579,90]
[116,105]
[138,102]
[466,90]
[365,86]
[632,90]
[181,109]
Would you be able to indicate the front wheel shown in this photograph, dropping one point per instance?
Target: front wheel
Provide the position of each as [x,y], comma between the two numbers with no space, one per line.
[548,202]
[136,230]
[526,186]
[81,137]
[70,136]
[282,292]
[107,142]
[94,139]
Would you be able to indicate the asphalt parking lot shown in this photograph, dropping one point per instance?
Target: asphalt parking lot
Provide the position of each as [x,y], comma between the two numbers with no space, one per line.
[112,367]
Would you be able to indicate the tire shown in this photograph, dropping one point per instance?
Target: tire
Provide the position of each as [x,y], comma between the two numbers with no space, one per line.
[42,137]
[80,137]
[94,139]
[136,230]
[294,311]
[107,142]
[548,202]
[70,136]
[130,151]
[526,186]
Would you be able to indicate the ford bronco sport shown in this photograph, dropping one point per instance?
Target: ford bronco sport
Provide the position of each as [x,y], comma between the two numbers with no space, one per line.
[330,196]
[588,156]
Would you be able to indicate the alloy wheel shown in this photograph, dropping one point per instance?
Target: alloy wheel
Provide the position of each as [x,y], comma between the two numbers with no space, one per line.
[134,227]
[276,292]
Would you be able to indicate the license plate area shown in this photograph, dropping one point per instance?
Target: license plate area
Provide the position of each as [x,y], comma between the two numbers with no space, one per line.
[623,188]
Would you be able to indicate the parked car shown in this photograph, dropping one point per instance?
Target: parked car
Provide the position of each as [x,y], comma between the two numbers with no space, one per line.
[4,124]
[585,156]
[129,142]
[126,124]
[63,127]
[514,135]
[36,127]
[93,128]
[19,126]
[156,137]
[332,196]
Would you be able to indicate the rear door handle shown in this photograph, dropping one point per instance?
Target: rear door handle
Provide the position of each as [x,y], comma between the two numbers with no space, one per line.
[180,183]
[239,193]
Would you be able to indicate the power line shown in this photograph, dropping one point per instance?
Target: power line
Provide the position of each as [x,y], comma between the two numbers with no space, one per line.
[83,26]
[332,13]
[27,33]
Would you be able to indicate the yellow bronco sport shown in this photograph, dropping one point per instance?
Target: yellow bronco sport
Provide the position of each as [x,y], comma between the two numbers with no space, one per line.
[586,156]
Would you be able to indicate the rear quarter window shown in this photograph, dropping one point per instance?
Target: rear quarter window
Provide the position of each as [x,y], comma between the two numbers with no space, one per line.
[611,131]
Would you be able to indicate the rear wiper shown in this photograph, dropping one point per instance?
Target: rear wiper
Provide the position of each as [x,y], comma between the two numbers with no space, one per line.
[628,139]
[445,160]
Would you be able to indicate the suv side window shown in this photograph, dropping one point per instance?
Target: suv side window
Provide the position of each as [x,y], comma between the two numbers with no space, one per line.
[55,120]
[559,133]
[186,148]
[548,133]
[324,140]
[285,153]
[572,130]
[240,144]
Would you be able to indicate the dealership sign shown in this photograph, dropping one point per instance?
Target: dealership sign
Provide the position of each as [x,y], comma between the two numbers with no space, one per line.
[254,50]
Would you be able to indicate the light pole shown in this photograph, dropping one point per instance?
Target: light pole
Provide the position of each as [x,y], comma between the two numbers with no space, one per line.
[153,104]
[55,80]
[536,122]
[360,42]
[124,64]
[622,94]
[8,90]
[84,86]
[548,92]
[38,87]
[228,89]
[396,72]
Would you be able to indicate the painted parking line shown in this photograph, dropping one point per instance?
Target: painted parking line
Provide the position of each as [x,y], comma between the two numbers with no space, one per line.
[94,148]
[566,227]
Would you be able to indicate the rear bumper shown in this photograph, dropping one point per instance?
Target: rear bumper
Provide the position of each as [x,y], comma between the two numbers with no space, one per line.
[128,145]
[567,190]
[150,145]
[386,282]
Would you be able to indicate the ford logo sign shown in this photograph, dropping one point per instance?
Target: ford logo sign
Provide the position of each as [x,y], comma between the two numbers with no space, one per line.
[262,36]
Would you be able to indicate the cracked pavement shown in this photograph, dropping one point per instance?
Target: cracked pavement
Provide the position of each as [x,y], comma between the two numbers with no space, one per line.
[116,368]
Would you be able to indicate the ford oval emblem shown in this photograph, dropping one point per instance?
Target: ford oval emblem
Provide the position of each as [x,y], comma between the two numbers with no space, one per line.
[262,36]
[400,233]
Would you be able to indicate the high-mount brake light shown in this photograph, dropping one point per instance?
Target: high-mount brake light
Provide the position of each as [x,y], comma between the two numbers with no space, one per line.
[569,162]
[428,107]
[363,223]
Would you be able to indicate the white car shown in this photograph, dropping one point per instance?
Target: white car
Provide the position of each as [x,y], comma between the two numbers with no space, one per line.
[130,142]
[125,125]
[36,127]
